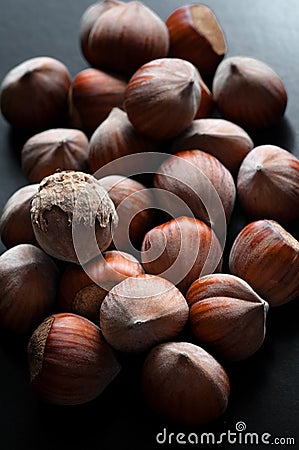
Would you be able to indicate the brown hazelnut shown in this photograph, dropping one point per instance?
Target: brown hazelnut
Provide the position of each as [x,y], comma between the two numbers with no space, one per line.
[227,316]
[15,221]
[196,35]
[202,182]
[184,384]
[125,37]
[89,18]
[268,184]
[206,104]
[28,284]
[157,88]
[223,139]
[266,256]
[70,362]
[34,93]
[247,91]
[93,94]
[142,311]
[81,291]
[181,250]
[72,202]
[114,138]
[134,205]
[50,150]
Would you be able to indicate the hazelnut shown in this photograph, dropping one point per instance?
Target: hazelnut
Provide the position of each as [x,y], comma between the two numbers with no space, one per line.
[134,205]
[50,150]
[15,221]
[181,250]
[266,256]
[142,311]
[34,93]
[195,35]
[81,291]
[268,184]
[88,20]
[202,182]
[93,94]
[125,37]
[114,138]
[28,284]
[184,384]
[223,139]
[227,316]
[70,362]
[247,91]
[159,87]
[206,104]
[72,199]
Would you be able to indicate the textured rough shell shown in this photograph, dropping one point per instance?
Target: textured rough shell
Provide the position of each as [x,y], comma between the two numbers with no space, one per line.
[196,35]
[247,91]
[93,94]
[29,83]
[81,291]
[223,139]
[266,256]
[114,138]
[54,149]
[185,384]
[181,250]
[15,221]
[159,88]
[201,181]
[268,184]
[70,362]
[71,198]
[125,37]
[28,284]
[142,311]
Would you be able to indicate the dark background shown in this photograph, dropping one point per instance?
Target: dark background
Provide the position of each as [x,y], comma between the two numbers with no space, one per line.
[265,388]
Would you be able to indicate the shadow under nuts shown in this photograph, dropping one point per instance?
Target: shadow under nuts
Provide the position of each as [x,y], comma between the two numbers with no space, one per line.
[70,362]
[142,311]
[227,316]
[266,256]
[66,212]
[185,384]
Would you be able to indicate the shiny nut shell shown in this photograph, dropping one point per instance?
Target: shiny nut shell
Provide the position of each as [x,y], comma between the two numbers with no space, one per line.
[266,256]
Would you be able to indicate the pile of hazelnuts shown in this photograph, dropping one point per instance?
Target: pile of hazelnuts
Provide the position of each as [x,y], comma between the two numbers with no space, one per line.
[101,262]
